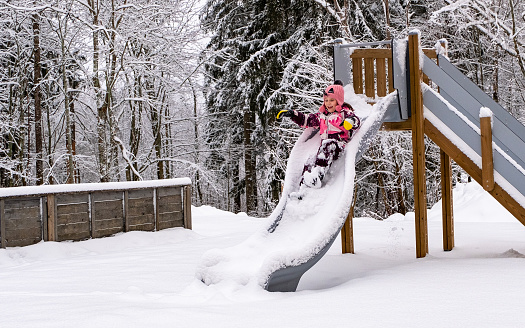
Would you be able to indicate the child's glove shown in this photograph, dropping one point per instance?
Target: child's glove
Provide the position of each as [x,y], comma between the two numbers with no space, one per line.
[348,123]
[286,113]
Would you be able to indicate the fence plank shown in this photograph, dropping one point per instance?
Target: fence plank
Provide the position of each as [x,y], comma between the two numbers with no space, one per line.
[141,220]
[381,77]
[170,220]
[369,78]
[2,224]
[357,75]
[72,218]
[187,207]
[66,230]
[140,193]
[76,198]
[108,210]
[51,218]
[75,232]
[21,213]
[23,242]
[21,203]
[43,202]
[126,210]
[142,207]
[170,191]
[72,208]
[22,233]
[22,223]
[170,204]
[104,196]
[371,53]
[111,223]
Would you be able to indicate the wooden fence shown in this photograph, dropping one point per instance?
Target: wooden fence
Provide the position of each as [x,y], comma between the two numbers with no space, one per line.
[29,215]
[376,73]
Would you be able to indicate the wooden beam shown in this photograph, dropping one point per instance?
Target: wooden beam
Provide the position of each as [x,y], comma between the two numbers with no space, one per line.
[418,146]
[446,201]
[430,52]
[3,243]
[370,90]
[126,211]
[381,77]
[51,218]
[357,75]
[187,207]
[372,53]
[347,236]
[474,171]
[487,160]
[397,126]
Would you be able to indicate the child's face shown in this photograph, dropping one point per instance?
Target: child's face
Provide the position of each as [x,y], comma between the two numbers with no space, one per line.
[330,104]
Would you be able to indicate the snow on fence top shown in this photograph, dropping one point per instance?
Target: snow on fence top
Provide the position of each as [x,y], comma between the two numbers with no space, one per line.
[87,187]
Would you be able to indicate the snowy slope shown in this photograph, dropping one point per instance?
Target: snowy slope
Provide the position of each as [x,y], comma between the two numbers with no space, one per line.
[146,279]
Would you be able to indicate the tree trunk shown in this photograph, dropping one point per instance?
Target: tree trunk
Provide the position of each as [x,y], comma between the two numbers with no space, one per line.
[236,190]
[250,162]
[102,108]
[37,100]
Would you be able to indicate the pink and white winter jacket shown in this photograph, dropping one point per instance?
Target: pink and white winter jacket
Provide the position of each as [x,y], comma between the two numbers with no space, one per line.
[330,124]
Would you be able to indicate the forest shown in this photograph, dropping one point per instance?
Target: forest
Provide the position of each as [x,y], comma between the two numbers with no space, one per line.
[131,90]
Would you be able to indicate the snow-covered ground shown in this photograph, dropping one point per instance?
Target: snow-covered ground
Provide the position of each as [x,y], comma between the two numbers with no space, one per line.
[147,279]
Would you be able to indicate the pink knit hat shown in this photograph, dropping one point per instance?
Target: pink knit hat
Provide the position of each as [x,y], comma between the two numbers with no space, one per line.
[335,91]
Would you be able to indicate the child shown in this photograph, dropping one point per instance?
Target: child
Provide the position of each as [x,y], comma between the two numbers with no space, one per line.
[336,122]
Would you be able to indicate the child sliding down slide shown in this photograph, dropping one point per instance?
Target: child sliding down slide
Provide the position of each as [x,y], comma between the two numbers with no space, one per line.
[336,122]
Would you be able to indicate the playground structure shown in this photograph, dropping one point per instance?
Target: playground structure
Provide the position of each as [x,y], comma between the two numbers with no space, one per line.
[396,79]
[489,147]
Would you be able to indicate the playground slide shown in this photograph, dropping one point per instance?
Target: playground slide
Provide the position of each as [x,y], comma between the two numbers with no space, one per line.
[301,229]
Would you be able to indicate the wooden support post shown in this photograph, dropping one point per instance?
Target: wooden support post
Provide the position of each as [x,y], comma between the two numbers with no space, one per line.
[418,146]
[3,243]
[92,216]
[126,211]
[187,207]
[357,75]
[446,202]
[156,207]
[51,218]
[487,162]
[347,235]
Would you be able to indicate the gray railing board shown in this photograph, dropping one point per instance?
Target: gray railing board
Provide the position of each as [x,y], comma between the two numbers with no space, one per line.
[468,105]
[503,115]
[499,129]
[455,123]
[342,64]
[466,133]
[400,79]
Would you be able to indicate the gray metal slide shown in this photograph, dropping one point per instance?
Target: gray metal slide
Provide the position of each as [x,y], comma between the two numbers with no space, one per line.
[286,278]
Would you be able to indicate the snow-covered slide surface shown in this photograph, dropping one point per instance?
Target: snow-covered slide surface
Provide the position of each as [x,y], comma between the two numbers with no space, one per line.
[301,230]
